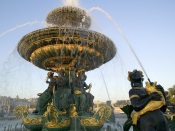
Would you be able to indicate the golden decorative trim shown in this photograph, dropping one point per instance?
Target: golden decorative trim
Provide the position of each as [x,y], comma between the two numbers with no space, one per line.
[77,92]
[134,96]
[32,121]
[69,47]
[73,112]
[59,35]
[64,56]
[103,113]
[81,70]
[64,123]
[52,114]
[50,38]
[20,111]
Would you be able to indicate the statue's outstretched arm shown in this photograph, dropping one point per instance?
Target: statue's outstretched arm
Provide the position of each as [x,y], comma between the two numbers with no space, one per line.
[138,103]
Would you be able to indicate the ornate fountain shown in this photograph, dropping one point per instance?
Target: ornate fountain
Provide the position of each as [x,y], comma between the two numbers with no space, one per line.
[66,47]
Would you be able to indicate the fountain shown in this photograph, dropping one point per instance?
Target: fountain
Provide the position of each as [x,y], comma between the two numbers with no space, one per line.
[69,48]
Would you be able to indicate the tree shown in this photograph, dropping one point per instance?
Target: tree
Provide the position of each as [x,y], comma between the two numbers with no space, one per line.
[172,93]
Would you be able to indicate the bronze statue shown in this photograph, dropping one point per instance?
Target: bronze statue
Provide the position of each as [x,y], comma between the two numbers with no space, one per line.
[139,97]
[79,88]
[52,83]
[46,96]
[61,96]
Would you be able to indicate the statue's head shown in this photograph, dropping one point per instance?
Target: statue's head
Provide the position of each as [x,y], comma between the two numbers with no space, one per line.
[81,74]
[136,78]
[50,74]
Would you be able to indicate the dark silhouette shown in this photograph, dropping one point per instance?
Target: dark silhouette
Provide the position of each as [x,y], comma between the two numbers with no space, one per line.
[151,120]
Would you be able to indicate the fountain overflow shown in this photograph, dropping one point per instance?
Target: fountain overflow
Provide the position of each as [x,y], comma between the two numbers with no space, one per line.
[122,34]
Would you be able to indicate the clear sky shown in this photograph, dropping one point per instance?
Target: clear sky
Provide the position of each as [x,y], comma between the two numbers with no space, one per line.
[148,25]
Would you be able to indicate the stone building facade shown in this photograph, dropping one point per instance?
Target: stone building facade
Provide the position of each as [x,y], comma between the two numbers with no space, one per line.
[7,104]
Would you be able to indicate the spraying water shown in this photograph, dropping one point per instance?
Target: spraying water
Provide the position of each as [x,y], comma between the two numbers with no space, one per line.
[122,34]
[70,2]
[105,85]
[12,67]
[20,26]
[12,52]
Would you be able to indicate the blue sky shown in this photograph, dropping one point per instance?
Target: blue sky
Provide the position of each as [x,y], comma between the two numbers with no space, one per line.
[148,25]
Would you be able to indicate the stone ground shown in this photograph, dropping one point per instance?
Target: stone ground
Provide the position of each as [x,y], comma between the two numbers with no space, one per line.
[13,124]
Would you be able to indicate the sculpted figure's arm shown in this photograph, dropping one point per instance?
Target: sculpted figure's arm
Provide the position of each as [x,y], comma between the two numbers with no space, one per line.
[47,80]
[160,88]
[137,103]
[85,86]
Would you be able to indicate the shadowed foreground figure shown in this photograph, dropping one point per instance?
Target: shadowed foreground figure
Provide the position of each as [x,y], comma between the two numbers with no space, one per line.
[151,120]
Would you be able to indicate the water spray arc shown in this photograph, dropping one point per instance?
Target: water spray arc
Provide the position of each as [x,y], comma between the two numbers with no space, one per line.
[123,35]
[20,26]
[105,85]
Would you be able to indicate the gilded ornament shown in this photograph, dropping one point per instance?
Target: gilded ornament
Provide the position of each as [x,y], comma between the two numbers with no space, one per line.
[20,111]
[52,114]
[152,105]
[73,112]
[103,113]
[77,92]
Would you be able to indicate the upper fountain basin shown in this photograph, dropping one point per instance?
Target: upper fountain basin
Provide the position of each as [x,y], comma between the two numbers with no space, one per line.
[52,48]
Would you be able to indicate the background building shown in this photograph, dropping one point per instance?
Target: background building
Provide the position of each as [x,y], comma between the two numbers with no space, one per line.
[7,104]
